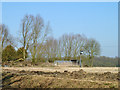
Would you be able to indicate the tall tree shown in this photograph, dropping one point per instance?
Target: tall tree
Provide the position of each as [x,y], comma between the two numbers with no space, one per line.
[41,44]
[51,48]
[26,32]
[6,38]
[4,32]
[0,44]
[72,45]
[77,44]
[38,25]
[65,45]
[92,48]
[59,49]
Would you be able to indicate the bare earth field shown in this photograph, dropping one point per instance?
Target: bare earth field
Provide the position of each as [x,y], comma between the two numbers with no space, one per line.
[63,68]
[60,77]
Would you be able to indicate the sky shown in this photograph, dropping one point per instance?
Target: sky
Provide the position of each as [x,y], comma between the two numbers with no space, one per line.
[98,20]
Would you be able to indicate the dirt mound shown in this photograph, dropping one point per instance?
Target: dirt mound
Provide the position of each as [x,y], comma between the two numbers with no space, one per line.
[82,72]
[78,74]
[109,75]
[106,76]
[51,80]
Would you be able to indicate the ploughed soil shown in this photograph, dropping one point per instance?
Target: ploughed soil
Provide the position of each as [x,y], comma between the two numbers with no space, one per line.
[66,79]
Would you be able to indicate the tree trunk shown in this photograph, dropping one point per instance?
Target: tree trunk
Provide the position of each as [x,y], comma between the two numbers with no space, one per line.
[1,48]
[34,49]
[33,58]
[92,61]
[24,53]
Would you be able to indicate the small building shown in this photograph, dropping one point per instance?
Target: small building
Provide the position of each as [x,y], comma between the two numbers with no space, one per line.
[75,62]
[66,63]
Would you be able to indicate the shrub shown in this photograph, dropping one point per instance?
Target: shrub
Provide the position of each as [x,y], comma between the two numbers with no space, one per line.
[20,53]
[9,53]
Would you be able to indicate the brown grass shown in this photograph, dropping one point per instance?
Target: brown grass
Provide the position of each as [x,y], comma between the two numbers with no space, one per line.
[62,69]
[49,77]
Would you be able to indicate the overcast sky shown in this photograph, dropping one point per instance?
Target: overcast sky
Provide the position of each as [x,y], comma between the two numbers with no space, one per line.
[95,20]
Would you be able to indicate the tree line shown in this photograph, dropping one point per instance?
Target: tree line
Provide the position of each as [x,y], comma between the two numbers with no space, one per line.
[38,45]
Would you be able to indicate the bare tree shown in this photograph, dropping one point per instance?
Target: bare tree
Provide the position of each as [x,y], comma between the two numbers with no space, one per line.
[92,48]
[41,43]
[71,45]
[65,43]
[6,38]
[26,32]
[51,48]
[36,33]
[59,48]
[76,42]
[0,44]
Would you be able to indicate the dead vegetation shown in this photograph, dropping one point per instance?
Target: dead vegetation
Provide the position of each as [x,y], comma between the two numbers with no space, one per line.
[66,79]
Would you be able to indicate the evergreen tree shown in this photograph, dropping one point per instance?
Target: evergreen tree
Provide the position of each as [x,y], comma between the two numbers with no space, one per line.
[9,53]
